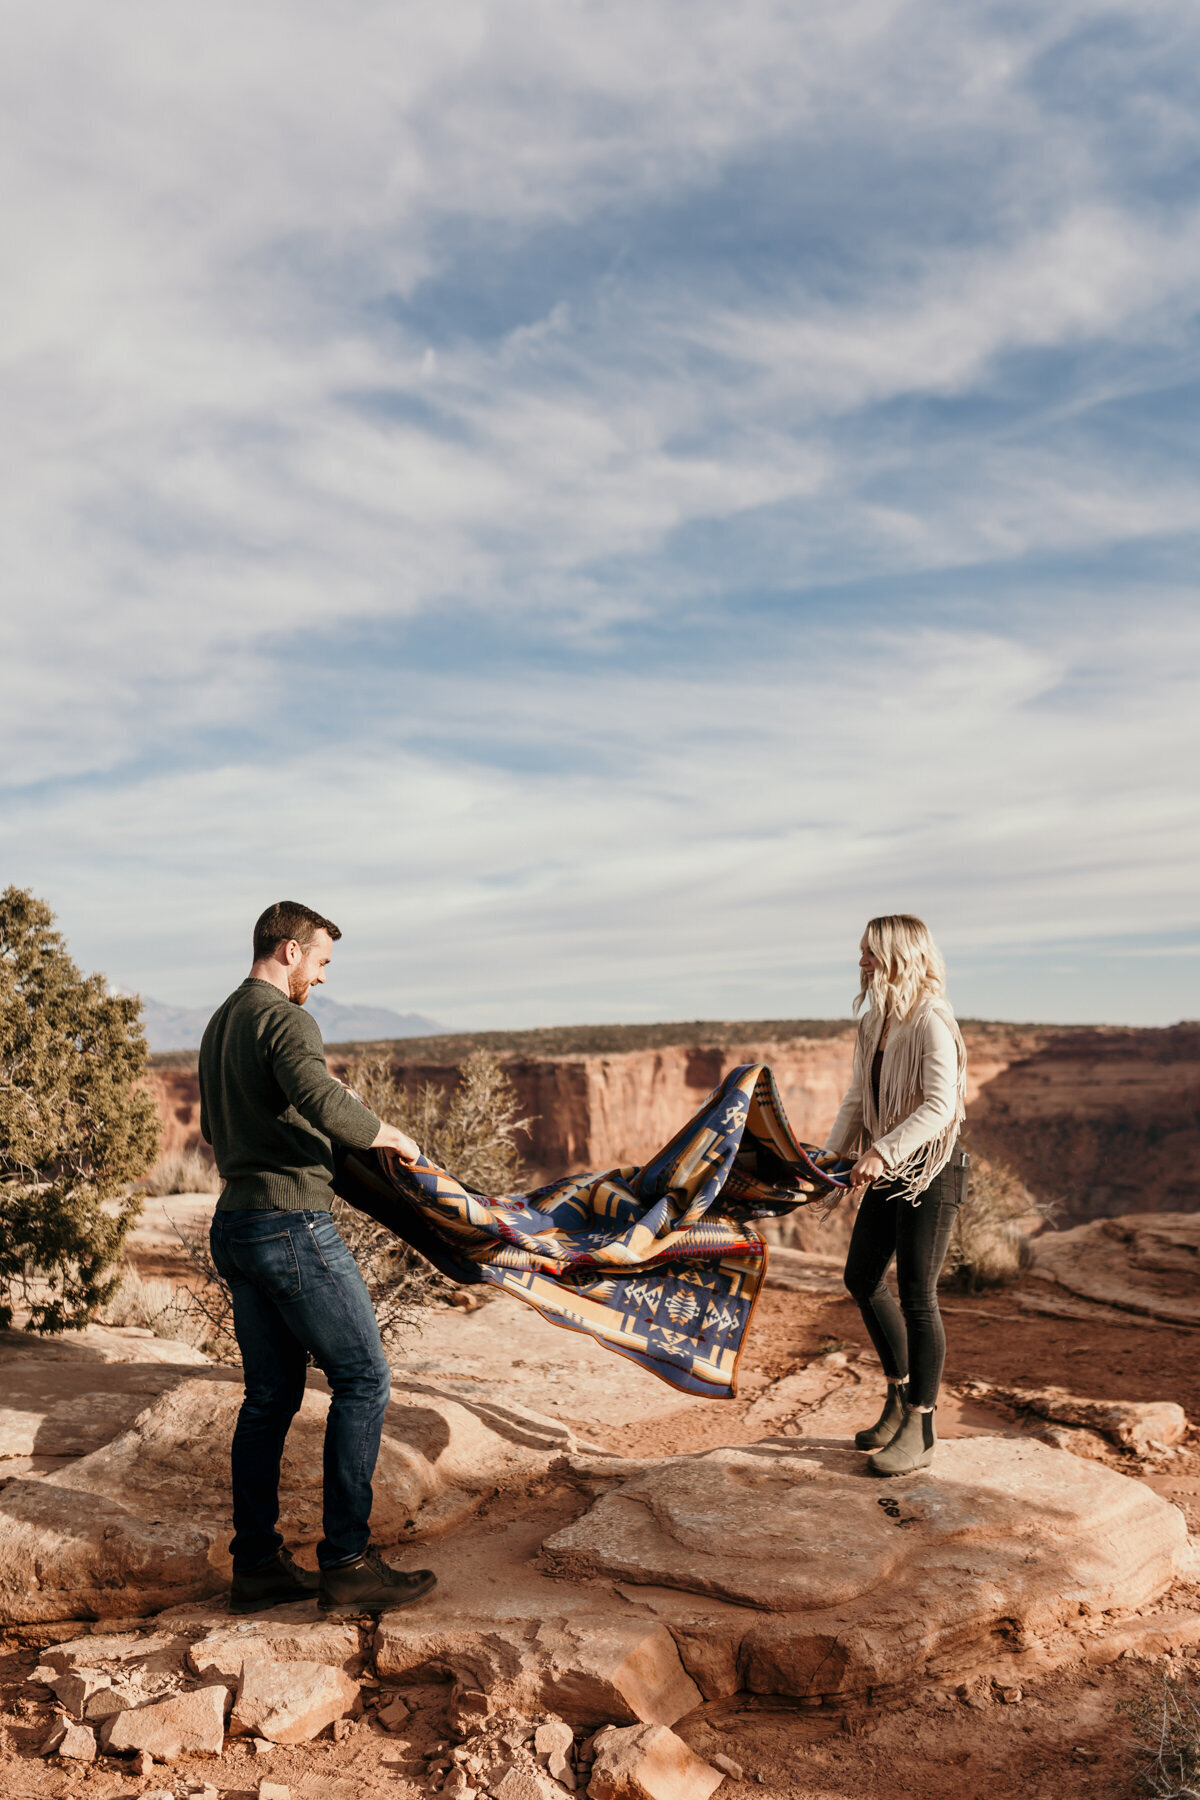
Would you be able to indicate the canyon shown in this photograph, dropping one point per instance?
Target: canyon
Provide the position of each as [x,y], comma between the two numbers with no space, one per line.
[1097,1121]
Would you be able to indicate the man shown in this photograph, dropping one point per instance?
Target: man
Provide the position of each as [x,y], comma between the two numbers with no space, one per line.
[271,1110]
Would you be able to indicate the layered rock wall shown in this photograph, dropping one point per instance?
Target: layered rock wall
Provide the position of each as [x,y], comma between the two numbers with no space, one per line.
[1101,1120]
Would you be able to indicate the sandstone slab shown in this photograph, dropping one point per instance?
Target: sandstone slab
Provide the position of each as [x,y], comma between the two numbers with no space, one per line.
[71,1555]
[1146,1263]
[184,1725]
[289,1702]
[439,1456]
[856,1588]
[590,1667]
[648,1762]
[221,1653]
[1135,1425]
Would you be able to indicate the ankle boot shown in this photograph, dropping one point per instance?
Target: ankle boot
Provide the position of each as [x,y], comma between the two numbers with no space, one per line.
[276,1583]
[889,1421]
[911,1448]
[369,1585]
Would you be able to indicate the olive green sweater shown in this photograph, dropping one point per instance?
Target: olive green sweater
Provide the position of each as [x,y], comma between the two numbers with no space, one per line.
[268,1105]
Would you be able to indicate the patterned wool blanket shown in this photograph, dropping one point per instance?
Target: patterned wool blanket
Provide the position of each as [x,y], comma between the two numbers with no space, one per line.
[661,1263]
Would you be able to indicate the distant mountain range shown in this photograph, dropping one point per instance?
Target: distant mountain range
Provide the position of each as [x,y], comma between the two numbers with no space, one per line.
[181,1027]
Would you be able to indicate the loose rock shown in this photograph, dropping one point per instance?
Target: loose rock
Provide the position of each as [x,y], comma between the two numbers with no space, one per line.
[76,1687]
[648,1762]
[552,1734]
[103,1705]
[185,1725]
[78,1742]
[469,1710]
[395,1715]
[527,1784]
[588,1668]
[727,1766]
[289,1702]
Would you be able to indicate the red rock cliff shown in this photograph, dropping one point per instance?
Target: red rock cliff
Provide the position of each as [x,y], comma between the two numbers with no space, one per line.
[1103,1120]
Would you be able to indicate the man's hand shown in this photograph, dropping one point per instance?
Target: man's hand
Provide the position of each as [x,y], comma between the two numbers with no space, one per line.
[868,1168]
[392,1138]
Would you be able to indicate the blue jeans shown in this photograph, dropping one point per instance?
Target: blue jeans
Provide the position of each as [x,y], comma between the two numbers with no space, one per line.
[298,1292]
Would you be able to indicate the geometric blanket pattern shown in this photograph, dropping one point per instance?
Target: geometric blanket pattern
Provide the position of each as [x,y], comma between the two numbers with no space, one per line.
[660,1263]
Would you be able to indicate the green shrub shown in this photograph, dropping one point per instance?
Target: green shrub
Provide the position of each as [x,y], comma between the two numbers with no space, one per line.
[75,1126]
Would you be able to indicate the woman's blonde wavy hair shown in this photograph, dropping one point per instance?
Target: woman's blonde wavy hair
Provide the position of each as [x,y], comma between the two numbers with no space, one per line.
[909,966]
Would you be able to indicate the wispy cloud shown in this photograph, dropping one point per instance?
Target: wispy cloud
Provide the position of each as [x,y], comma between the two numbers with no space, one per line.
[611,493]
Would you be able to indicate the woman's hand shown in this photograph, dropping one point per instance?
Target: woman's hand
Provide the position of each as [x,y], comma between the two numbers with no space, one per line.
[390,1137]
[868,1168]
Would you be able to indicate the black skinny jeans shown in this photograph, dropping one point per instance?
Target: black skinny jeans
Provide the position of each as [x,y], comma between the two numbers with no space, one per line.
[909,1339]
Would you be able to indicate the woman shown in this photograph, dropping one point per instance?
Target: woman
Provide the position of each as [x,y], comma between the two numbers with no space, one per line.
[901,1117]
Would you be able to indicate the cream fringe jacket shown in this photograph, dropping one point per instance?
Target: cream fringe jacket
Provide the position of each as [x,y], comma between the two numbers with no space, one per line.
[922,1086]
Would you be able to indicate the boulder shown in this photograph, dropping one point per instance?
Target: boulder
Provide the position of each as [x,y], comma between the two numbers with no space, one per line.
[590,1668]
[1146,1263]
[68,1555]
[648,1762]
[184,1725]
[289,1702]
[854,1588]
[146,1513]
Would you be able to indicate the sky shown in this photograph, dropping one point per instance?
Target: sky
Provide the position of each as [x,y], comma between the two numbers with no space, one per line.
[602,499]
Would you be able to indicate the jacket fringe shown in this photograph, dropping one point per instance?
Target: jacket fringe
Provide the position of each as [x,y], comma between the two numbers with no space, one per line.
[901,1093]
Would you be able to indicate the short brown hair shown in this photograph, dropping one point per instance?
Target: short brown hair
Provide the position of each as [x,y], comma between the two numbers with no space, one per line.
[285,920]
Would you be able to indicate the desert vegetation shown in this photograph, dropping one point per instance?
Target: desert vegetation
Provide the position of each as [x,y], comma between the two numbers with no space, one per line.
[181,1172]
[75,1126]
[469,1129]
[989,1245]
[1165,1721]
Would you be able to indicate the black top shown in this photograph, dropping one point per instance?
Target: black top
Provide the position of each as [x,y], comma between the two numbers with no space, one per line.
[269,1106]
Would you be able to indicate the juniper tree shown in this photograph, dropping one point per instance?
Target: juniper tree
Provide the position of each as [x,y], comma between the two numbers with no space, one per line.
[75,1125]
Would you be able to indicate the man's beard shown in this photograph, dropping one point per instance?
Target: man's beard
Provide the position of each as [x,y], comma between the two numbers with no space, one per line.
[298,987]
